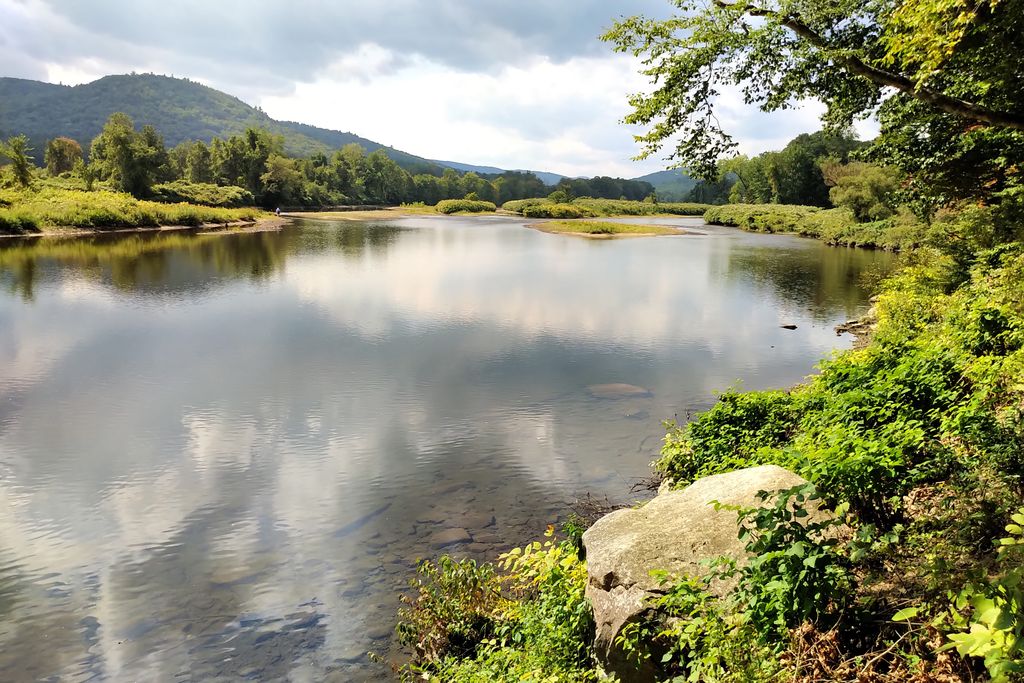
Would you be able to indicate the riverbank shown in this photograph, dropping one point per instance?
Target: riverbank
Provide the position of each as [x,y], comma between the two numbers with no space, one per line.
[48,209]
[388,213]
[260,225]
[915,439]
[606,229]
[836,227]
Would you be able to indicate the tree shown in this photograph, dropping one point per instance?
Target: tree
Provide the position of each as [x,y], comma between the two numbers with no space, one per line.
[132,161]
[869,191]
[952,68]
[282,182]
[17,150]
[198,163]
[242,159]
[386,182]
[61,156]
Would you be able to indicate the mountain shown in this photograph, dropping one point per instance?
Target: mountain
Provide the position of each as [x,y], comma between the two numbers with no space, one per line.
[545,177]
[178,108]
[672,185]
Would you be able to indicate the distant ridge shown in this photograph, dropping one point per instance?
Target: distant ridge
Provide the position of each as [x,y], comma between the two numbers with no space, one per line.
[178,108]
[181,109]
[546,177]
[672,185]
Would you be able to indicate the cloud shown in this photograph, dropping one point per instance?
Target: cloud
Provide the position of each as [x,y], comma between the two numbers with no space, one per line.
[293,42]
[514,85]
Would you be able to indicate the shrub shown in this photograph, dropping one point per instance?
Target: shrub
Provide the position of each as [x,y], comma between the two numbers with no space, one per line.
[204,194]
[623,207]
[528,621]
[995,629]
[16,223]
[935,394]
[449,206]
[50,206]
[760,217]
[587,207]
[453,609]
[736,433]
[517,205]
[557,211]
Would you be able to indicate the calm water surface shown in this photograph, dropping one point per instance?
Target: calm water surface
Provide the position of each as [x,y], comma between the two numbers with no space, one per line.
[221,455]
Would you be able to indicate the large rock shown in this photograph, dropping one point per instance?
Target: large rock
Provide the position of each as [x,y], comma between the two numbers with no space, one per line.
[676,532]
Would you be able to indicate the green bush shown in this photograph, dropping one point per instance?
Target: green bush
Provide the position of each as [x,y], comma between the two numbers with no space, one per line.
[452,611]
[204,194]
[623,207]
[588,207]
[837,227]
[760,217]
[449,206]
[557,211]
[527,621]
[936,393]
[51,206]
[517,205]
[729,436]
[16,223]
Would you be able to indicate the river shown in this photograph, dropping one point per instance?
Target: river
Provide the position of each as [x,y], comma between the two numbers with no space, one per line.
[222,455]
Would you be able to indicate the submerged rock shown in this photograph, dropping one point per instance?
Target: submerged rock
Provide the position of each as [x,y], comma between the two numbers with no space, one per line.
[448,537]
[675,532]
[618,390]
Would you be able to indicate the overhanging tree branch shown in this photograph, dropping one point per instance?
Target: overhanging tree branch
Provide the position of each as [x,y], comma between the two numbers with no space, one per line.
[856,65]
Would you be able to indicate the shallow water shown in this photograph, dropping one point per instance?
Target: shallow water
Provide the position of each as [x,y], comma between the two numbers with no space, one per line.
[221,455]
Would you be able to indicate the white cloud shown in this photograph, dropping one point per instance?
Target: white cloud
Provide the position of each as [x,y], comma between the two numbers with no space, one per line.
[514,86]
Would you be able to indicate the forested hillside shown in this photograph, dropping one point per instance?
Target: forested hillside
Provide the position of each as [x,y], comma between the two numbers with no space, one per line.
[180,109]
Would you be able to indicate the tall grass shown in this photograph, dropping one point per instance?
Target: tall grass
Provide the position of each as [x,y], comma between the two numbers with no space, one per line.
[31,210]
[834,226]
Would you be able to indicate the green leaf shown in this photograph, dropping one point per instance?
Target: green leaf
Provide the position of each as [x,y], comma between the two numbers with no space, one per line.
[906,614]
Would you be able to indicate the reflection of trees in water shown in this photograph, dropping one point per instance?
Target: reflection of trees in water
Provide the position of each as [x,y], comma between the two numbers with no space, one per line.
[356,238]
[178,261]
[819,278]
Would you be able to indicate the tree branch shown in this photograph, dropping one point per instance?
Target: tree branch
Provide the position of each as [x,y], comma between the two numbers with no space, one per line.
[858,66]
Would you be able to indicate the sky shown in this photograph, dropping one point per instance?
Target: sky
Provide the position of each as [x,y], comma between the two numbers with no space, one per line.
[523,84]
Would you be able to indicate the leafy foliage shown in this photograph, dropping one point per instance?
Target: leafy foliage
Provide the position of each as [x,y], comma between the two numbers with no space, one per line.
[101,209]
[17,150]
[954,67]
[205,194]
[524,620]
[62,155]
[835,226]
[867,190]
[465,205]
[996,625]
[128,159]
[796,571]
[936,393]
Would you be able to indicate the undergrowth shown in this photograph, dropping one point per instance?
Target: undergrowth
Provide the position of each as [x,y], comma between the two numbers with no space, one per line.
[29,210]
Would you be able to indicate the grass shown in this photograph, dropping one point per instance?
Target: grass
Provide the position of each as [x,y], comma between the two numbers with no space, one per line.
[604,228]
[837,227]
[48,208]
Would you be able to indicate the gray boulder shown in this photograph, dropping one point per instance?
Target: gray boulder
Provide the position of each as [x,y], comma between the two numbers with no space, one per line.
[675,532]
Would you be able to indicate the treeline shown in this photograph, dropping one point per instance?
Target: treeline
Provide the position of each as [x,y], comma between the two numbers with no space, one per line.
[138,162]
